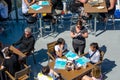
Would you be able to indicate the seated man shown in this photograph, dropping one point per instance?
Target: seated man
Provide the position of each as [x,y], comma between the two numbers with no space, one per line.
[26,43]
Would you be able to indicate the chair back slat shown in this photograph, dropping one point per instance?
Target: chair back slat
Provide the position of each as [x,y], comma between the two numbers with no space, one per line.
[50,46]
[22,72]
[101,55]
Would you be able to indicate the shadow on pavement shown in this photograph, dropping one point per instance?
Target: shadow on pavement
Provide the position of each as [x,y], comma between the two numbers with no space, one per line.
[107,67]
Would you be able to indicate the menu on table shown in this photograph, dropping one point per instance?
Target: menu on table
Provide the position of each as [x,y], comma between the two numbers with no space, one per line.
[82,61]
[60,63]
[71,55]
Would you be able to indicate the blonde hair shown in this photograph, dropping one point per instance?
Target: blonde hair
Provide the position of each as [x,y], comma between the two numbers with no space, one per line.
[2,1]
[96,72]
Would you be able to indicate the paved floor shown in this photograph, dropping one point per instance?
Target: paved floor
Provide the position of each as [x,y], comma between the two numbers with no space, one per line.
[108,40]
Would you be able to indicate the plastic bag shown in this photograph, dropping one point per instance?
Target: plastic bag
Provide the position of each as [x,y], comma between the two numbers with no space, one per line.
[117,13]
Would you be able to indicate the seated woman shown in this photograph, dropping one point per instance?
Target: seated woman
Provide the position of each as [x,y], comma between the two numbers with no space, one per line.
[111,6]
[3,10]
[47,74]
[60,47]
[95,74]
[11,62]
[25,7]
[94,53]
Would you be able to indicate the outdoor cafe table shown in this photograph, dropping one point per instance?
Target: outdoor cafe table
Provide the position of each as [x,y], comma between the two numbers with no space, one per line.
[94,10]
[73,74]
[16,51]
[44,9]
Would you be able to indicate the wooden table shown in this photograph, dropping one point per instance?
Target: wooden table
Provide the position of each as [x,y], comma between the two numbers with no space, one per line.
[93,9]
[16,51]
[73,74]
[45,9]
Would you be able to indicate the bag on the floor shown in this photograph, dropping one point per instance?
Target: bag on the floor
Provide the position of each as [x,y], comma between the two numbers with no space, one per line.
[117,13]
[31,19]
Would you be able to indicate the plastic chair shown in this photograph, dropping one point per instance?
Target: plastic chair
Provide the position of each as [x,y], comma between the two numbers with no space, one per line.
[50,50]
[110,21]
[66,17]
[23,74]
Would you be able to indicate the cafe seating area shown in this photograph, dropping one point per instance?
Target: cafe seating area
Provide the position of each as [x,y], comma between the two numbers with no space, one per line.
[46,34]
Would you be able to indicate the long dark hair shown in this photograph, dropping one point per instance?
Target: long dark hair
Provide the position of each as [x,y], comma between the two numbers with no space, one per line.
[45,70]
[60,41]
[95,45]
[79,22]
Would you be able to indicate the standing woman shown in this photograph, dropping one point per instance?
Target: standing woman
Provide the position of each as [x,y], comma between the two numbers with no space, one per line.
[78,34]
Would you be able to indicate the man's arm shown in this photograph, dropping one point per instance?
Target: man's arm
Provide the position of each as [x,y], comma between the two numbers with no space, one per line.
[18,42]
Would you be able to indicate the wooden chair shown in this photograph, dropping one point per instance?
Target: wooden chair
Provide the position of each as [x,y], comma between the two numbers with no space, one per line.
[101,58]
[51,51]
[20,75]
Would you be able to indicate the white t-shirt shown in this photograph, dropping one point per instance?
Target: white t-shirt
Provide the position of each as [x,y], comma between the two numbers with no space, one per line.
[24,7]
[3,11]
[93,78]
[96,57]
[57,48]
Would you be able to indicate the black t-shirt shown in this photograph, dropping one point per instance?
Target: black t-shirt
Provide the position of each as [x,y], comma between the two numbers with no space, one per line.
[79,39]
[25,44]
[57,4]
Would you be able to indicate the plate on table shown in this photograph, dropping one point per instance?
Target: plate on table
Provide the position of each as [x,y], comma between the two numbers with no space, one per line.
[100,7]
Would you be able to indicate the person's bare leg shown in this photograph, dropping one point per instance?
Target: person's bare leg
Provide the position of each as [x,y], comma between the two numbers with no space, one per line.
[86,78]
[34,15]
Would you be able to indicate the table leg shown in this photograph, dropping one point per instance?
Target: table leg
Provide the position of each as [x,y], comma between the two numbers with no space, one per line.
[40,21]
[95,19]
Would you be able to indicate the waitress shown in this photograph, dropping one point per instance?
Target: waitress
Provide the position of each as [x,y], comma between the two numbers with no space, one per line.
[78,34]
